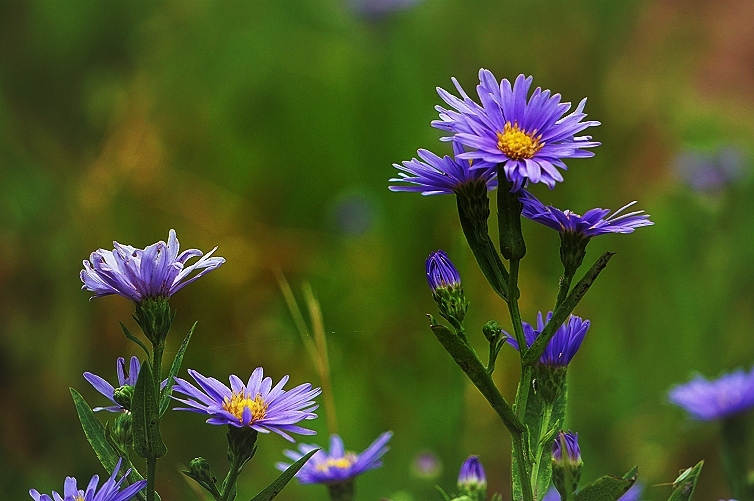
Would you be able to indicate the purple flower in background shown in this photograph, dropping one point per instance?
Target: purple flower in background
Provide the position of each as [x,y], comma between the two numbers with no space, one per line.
[593,223]
[378,8]
[257,404]
[110,490]
[707,400]
[137,274]
[528,134]
[441,272]
[437,176]
[125,378]
[471,476]
[336,465]
[426,465]
[705,172]
[572,450]
[564,344]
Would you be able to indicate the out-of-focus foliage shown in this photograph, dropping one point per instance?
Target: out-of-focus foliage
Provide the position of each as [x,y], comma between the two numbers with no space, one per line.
[269,129]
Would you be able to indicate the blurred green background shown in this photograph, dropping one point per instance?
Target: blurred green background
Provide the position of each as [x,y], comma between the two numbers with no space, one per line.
[269,129]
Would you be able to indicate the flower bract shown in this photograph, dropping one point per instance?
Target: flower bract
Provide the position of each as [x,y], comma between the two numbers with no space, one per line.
[110,490]
[564,344]
[433,175]
[529,135]
[125,378]
[708,400]
[336,465]
[594,222]
[158,271]
[256,404]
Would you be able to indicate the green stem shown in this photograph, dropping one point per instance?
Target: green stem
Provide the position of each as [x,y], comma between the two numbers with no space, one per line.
[544,429]
[736,455]
[151,477]
[564,286]
[342,491]
[229,484]
[522,462]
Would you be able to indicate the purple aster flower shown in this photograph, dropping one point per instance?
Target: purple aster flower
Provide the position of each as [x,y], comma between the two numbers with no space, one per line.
[708,400]
[426,465]
[594,222]
[707,172]
[437,176]
[257,404]
[125,378]
[572,450]
[564,344]
[110,490]
[153,272]
[337,465]
[441,272]
[472,477]
[529,135]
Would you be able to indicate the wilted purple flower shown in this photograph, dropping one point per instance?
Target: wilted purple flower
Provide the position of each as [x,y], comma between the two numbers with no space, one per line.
[437,176]
[337,465]
[564,344]
[594,222]
[529,135]
[441,272]
[706,172]
[472,477]
[124,379]
[572,450]
[257,404]
[110,490]
[154,272]
[707,400]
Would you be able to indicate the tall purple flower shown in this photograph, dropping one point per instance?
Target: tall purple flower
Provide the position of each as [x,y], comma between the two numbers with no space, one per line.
[708,400]
[125,378]
[529,135]
[110,490]
[158,271]
[336,465]
[564,344]
[256,404]
[593,223]
[437,176]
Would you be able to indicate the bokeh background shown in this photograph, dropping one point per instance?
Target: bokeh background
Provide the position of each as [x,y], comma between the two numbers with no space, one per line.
[269,130]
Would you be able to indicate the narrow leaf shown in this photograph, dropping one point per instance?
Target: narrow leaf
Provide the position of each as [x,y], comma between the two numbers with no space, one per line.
[608,488]
[275,487]
[146,419]
[685,483]
[133,338]
[174,368]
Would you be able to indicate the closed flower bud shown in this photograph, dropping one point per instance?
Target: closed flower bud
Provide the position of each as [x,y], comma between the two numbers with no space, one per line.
[566,463]
[123,395]
[445,283]
[199,469]
[122,430]
[472,481]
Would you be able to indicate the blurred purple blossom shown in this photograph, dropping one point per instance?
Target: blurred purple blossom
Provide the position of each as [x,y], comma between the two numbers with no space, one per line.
[706,172]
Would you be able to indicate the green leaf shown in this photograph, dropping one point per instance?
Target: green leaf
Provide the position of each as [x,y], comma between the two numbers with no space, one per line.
[133,338]
[275,487]
[174,368]
[685,483]
[608,488]
[146,417]
[97,437]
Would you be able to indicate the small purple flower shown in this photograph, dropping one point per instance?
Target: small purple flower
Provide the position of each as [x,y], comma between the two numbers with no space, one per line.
[375,9]
[441,272]
[707,400]
[337,465]
[426,465]
[110,490]
[125,378]
[572,449]
[437,176]
[257,404]
[593,223]
[472,477]
[564,344]
[157,271]
[707,172]
[529,135]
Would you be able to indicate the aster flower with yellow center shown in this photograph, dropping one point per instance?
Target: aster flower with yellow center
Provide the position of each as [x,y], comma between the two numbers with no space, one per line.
[257,404]
[338,465]
[110,490]
[529,135]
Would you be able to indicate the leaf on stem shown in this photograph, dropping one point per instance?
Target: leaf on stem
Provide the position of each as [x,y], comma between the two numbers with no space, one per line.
[608,488]
[685,483]
[133,338]
[277,485]
[146,417]
[174,368]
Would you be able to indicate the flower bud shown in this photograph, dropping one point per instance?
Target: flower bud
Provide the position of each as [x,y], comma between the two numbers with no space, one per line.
[472,481]
[445,283]
[199,469]
[123,395]
[566,463]
[122,430]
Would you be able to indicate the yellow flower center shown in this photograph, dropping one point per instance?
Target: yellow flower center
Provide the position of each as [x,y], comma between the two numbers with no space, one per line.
[518,144]
[239,401]
[79,498]
[341,463]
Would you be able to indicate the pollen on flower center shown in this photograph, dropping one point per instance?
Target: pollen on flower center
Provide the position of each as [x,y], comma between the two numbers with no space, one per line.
[340,463]
[518,144]
[239,401]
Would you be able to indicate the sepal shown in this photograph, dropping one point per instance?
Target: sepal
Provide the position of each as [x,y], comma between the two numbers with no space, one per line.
[154,317]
